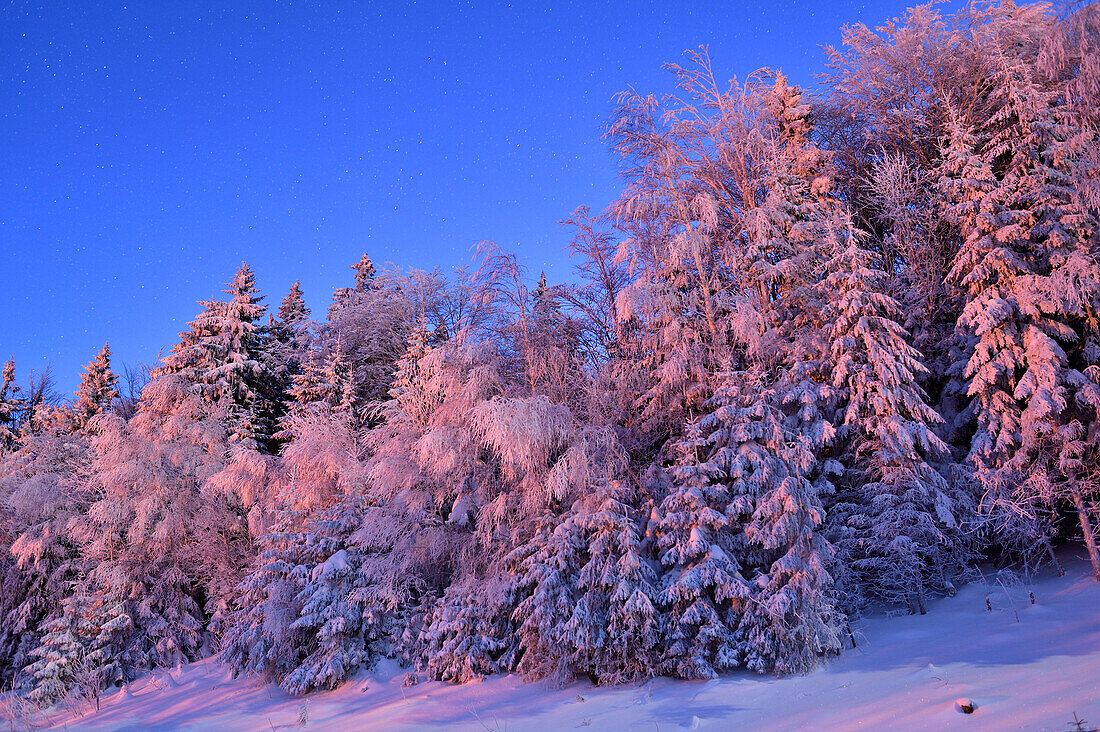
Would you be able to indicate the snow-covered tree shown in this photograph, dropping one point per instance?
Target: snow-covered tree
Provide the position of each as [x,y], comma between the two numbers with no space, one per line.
[364,281]
[98,389]
[305,619]
[286,345]
[704,590]
[469,633]
[80,647]
[601,277]
[906,529]
[592,597]
[166,532]
[552,338]
[142,538]
[1027,267]
[337,571]
[364,273]
[10,406]
[686,212]
[221,357]
[42,488]
[792,617]
[739,539]
[370,325]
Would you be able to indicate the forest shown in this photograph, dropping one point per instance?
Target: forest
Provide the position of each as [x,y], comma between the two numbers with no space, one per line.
[823,355]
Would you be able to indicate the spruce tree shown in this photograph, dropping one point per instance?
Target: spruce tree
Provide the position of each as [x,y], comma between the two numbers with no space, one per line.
[364,274]
[905,533]
[98,389]
[83,648]
[45,487]
[285,348]
[10,406]
[697,534]
[592,593]
[793,617]
[1030,275]
[364,282]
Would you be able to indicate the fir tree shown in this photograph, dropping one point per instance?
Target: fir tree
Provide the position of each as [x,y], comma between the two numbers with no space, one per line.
[80,648]
[61,653]
[286,342]
[220,358]
[364,282]
[593,602]
[305,620]
[469,633]
[284,351]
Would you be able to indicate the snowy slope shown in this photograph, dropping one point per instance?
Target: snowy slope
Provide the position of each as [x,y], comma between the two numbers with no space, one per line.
[1030,674]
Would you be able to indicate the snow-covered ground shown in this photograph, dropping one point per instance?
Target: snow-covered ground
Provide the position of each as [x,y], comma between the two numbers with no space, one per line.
[1033,673]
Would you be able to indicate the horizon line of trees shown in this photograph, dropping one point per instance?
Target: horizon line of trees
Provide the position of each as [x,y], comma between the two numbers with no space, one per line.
[821,355]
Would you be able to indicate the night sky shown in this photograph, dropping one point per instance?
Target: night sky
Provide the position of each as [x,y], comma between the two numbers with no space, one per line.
[148,148]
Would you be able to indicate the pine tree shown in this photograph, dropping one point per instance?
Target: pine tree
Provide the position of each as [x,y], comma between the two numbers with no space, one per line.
[293,312]
[193,354]
[552,563]
[238,378]
[760,516]
[371,321]
[310,385]
[332,579]
[551,340]
[326,379]
[410,379]
[591,604]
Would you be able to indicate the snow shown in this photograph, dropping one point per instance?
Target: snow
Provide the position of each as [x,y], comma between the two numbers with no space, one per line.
[336,564]
[907,674]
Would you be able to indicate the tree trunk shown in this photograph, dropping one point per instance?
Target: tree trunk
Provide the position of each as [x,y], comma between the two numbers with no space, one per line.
[1086,529]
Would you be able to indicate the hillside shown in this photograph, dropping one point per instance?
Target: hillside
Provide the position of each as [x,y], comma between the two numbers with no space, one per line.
[1031,674]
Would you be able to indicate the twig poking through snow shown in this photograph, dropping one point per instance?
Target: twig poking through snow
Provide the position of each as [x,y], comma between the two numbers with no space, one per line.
[1010,601]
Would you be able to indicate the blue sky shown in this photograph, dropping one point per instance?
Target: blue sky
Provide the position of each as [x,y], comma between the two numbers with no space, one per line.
[149,148]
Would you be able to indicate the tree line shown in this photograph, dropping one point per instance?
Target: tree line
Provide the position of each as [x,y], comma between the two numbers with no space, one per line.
[822,354]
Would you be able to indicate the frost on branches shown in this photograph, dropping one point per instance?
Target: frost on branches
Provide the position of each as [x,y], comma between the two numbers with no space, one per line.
[820,355]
